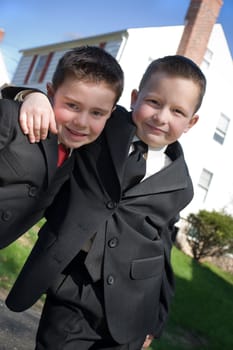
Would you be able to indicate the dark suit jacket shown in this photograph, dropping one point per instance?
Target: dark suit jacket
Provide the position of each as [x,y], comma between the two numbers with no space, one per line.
[137,226]
[29,178]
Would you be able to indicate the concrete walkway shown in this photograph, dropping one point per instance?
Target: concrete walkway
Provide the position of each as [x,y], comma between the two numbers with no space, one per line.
[17,330]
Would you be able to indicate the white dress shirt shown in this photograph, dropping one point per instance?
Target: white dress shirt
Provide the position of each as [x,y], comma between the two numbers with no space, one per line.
[156,159]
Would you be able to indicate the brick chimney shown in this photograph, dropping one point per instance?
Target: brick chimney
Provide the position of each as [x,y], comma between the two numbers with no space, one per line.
[199,21]
[1,34]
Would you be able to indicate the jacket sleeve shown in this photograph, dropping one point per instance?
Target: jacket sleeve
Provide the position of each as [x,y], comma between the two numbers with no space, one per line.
[10,92]
[168,283]
[8,114]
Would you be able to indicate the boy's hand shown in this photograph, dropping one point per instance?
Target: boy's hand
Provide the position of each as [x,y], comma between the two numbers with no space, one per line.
[147,341]
[37,117]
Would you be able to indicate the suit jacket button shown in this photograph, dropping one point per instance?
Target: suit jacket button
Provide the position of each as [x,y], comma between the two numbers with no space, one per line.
[110,280]
[112,243]
[6,215]
[32,191]
[111,205]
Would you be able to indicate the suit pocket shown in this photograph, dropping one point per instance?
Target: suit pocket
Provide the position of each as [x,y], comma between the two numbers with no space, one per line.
[146,268]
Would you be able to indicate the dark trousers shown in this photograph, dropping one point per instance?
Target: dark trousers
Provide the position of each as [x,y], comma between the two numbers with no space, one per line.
[73,315]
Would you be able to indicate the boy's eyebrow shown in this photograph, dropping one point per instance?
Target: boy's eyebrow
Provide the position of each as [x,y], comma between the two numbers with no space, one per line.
[74,101]
[99,109]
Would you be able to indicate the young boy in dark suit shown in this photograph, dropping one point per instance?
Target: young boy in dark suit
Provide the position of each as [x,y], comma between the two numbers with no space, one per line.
[86,86]
[109,250]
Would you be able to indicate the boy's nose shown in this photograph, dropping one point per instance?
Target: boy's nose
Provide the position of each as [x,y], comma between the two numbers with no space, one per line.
[162,115]
[81,119]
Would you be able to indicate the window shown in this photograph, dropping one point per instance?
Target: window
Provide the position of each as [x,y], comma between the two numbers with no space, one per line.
[112,47]
[221,129]
[38,68]
[207,59]
[204,184]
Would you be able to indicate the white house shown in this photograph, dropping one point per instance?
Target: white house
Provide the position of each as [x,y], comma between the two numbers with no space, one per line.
[208,146]
[4,77]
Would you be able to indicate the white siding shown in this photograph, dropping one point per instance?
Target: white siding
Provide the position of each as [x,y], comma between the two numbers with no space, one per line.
[142,46]
[4,78]
[21,70]
[201,150]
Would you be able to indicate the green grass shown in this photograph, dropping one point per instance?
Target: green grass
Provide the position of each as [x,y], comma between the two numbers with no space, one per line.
[201,312]
[13,257]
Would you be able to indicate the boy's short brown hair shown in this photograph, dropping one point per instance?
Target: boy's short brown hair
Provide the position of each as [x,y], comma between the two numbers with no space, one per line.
[177,66]
[90,63]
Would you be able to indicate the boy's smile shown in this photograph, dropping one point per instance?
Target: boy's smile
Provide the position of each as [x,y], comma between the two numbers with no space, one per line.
[164,109]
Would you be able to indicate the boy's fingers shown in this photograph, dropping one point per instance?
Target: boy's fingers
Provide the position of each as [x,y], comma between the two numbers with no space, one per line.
[44,126]
[26,124]
[43,133]
[30,125]
[53,128]
[52,124]
[37,128]
[23,122]
[147,341]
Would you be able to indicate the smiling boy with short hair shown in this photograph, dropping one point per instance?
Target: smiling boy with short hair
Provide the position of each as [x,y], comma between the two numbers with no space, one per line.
[86,85]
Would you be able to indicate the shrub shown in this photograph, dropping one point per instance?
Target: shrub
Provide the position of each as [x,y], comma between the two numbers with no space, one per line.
[210,233]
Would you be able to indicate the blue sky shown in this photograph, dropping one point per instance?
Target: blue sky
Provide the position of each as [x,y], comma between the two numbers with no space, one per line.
[31,23]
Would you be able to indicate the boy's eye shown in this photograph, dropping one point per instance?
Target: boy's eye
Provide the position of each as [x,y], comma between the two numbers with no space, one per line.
[97,113]
[154,102]
[178,112]
[73,106]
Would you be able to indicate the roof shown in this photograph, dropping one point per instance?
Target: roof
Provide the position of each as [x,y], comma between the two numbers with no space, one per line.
[75,42]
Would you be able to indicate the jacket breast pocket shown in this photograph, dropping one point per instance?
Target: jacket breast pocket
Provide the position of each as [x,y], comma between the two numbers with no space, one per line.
[147,268]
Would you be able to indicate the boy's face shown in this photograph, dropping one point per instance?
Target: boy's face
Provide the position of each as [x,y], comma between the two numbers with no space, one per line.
[81,109]
[164,109]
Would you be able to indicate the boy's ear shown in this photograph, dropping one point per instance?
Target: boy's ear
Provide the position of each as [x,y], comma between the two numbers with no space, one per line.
[192,122]
[134,97]
[50,90]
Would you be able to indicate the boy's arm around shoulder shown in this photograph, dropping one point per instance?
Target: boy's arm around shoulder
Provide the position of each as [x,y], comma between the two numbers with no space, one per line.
[16,92]
[9,111]
[119,111]
[121,116]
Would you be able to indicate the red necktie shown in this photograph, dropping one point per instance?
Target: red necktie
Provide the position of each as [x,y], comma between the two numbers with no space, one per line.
[63,154]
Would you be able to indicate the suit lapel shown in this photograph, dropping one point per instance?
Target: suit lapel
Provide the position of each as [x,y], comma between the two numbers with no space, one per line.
[161,181]
[50,149]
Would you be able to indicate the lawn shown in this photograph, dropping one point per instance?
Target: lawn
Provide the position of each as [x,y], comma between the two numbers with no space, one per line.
[202,310]
[12,258]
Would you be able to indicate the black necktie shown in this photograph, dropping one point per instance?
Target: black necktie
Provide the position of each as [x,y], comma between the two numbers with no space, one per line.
[135,167]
